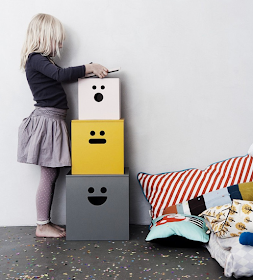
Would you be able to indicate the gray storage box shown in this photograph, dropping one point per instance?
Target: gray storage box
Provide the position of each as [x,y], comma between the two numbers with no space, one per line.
[97,207]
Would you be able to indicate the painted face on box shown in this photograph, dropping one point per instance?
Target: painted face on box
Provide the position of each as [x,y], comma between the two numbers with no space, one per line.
[97,138]
[98,93]
[99,99]
[97,199]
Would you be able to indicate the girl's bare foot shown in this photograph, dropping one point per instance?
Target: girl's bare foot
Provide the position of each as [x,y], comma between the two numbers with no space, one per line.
[49,231]
[58,227]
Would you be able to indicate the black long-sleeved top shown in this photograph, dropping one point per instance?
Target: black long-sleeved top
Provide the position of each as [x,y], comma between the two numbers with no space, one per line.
[44,79]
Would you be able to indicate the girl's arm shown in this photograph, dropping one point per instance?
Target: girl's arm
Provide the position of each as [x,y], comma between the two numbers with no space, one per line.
[47,68]
[43,65]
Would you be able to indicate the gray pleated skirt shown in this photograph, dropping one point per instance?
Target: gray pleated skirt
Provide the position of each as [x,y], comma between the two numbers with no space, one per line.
[43,138]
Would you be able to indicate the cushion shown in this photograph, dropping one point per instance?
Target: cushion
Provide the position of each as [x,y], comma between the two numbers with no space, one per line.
[217,216]
[188,226]
[167,189]
[240,219]
[231,221]
[223,196]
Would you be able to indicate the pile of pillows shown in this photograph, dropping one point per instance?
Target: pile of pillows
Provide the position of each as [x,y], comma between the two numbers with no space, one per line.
[177,198]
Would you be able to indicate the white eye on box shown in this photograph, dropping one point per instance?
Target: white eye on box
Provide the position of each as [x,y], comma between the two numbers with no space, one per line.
[99,99]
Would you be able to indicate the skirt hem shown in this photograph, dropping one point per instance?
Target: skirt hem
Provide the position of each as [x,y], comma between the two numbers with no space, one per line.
[53,165]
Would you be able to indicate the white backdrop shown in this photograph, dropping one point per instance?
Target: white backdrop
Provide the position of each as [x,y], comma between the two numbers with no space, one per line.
[186,80]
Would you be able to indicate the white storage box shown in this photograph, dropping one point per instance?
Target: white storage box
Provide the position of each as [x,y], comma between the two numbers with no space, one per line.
[99,99]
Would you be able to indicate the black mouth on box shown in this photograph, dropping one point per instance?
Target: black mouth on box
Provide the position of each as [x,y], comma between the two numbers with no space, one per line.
[97,141]
[97,200]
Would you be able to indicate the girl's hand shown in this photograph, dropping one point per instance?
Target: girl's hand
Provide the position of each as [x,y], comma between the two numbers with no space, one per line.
[97,69]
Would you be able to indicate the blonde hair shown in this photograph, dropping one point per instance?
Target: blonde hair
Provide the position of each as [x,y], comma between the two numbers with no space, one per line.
[44,34]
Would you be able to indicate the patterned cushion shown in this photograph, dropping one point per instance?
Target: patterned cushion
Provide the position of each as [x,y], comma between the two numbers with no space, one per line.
[167,189]
[217,216]
[242,260]
[231,220]
[240,219]
[235,258]
[220,197]
[188,226]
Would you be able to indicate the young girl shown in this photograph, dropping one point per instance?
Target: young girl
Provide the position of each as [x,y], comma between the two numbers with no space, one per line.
[43,138]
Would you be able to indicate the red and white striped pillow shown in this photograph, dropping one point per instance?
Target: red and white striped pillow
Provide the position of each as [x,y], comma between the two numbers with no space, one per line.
[166,189]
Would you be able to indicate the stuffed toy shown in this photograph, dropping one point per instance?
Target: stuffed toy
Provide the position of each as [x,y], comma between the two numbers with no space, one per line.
[246,238]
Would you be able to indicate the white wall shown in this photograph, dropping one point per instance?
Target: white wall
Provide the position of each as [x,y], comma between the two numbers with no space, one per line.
[187,69]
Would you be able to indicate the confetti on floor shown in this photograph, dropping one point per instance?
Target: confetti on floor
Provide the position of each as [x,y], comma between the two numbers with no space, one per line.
[25,257]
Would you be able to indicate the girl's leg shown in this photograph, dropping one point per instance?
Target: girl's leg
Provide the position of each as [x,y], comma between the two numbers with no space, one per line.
[44,198]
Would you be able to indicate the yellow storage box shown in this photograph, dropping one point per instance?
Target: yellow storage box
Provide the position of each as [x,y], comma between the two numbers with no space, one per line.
[97,146]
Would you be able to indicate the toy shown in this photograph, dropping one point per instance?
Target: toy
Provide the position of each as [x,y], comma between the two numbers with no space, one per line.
[246,238]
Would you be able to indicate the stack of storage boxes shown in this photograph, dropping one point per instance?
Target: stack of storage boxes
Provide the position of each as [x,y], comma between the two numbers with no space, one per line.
[98,185]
